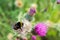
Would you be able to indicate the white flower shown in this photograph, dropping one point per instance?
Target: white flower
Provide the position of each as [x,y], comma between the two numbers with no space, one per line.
[26,28]
[10,36]
[18,3]
[27,25]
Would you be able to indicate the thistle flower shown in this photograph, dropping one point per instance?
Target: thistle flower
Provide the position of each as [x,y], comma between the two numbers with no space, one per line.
[41,29]
[33,37]
[58,1]
[18,3]
[32,10]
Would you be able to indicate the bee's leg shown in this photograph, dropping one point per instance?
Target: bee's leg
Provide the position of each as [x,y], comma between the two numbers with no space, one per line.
[21,30]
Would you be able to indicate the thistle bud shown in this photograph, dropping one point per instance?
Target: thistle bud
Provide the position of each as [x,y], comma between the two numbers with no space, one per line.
[28,17]
[33,37]
[32,9]
[58,1]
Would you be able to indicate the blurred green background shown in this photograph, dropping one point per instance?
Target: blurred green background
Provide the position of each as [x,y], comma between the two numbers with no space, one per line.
[46,10]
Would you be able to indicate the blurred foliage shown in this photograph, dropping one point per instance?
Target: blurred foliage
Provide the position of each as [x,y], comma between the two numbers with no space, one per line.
[46,10]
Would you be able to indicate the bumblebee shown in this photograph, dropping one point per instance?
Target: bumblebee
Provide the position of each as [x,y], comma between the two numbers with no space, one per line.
[18,25]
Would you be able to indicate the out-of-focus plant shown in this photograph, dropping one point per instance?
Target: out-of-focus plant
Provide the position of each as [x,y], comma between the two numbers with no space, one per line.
[46,10]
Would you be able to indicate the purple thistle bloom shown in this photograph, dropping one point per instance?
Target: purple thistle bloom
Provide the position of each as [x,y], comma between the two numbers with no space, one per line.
[41,29]
[58,1]
[33,37]
[32,11]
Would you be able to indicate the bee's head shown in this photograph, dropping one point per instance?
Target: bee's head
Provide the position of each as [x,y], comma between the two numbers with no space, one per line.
[18,25]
